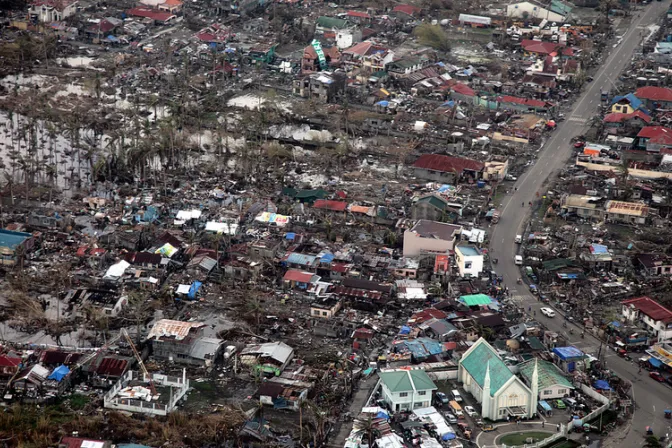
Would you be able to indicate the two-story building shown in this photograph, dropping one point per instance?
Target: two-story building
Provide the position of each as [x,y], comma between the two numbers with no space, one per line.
[469,260]
[48,11]
[654,316]
[405,390]
[655,97]
[588,207]
[430,237]
[655,264]
[183,342]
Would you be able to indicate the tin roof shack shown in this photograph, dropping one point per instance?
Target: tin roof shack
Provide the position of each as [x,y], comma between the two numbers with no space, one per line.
[364,294]
[28,382]
[13,245]
[283,394]
[269,359]
[184,342]
[627,212]
[105,371]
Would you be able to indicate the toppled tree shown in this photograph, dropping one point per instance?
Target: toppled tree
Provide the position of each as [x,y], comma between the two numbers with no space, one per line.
[432,36]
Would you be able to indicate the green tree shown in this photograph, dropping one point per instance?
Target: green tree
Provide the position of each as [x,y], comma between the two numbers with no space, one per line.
[432,36]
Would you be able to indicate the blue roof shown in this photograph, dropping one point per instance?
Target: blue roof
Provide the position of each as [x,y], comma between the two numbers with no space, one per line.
[11,239]
[568,353]
[302,259]
[599,249]
[655,362]
[634,102]
[290,236]
[327,258]
[424,347]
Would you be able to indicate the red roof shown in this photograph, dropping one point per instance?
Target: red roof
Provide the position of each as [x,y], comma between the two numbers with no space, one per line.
[407,9]
[150,14]
[112,366]
[654,93]
[361,15]
[651,308]
[524,101]
[654,132]
[6,361]
[619,118]
[298,276]
[336,206]
[447,164]
[427,314]
[463,89]
[535,46]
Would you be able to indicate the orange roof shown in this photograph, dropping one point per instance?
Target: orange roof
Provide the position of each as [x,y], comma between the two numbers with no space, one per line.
[173,3]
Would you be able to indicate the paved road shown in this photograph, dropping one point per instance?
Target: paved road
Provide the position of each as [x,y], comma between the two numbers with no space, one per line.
[652,398]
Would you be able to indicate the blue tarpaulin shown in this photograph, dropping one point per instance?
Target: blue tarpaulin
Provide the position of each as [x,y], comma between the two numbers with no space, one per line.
[405,330]
[615,324]
[382,414]
[327,258]
[601,385]
[194,289]
[290,236]
[448,436]
[59,373]
[655,362]
[568,353]
[383,103]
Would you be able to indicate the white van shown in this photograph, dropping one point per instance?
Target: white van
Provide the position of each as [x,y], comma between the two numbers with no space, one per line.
[518,259]
[519,239]
[456,395]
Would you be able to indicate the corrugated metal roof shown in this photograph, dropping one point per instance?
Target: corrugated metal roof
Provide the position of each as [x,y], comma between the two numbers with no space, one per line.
[302,259]
[204,348]
[172,328]
[476,363]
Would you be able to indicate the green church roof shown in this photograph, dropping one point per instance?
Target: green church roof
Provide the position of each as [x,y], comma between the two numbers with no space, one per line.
[477,361]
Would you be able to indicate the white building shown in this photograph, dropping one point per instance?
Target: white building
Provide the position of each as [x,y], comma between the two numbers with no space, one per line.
[469,261]
[533,10]
[348,37]
[650,314]
[501,393]
[48,11]
[551,382]
[430,237]
[405,390]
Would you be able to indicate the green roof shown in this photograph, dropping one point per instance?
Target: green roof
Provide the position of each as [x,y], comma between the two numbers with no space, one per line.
[435,201]
[558,263]
[477,361]
[332,22]
[311,194]
[403,380]
[560,7]
[535,343]
[476,299]
[289,191]
[549,374]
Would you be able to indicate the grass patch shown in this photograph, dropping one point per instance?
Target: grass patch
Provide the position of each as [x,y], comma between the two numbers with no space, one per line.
[565,444]
[203,386]
[520,438]
[78,401]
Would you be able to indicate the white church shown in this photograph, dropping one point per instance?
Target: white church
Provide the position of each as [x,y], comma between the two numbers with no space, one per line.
[501,393]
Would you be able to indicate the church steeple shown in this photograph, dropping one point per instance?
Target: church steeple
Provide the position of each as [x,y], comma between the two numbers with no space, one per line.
[535,389]
[486,411]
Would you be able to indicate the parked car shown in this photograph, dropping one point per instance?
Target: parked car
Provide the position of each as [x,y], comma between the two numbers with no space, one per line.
[657,376]
[442,398]
[559,404]
[548,312]
[471,412]
[450,418]
[488,427]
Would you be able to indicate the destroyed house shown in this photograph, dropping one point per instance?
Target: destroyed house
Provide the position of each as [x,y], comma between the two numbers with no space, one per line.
[363,294]
[14,244]
[30,379]
[144,259]
[655,264]
[282,396]
[270,358]
[105,371]
[106,300]
[9,366]
[183,342]
[51,358]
